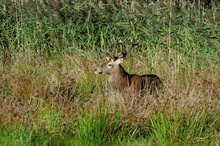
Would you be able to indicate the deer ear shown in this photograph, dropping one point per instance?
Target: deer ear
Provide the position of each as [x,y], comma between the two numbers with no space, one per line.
[119,60]
[108,58]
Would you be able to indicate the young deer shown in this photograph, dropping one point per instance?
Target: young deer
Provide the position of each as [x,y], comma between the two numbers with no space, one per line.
[122,81]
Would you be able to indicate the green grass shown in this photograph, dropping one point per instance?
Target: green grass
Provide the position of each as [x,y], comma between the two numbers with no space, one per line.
[25,136]
[49,94]
[180,130]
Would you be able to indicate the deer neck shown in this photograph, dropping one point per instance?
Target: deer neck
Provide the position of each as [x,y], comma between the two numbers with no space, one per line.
[119,79]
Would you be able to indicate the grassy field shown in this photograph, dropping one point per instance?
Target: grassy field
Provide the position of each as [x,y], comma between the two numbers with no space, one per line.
[49,94]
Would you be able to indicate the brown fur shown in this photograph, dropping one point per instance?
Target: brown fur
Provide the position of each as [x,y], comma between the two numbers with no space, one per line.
[122,81]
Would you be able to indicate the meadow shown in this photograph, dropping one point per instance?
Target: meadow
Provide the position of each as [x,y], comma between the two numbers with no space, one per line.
[49,94]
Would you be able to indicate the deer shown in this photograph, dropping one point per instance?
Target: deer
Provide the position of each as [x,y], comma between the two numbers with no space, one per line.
[123,81]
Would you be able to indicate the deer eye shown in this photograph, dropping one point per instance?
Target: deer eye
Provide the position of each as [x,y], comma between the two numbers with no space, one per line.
[110,65]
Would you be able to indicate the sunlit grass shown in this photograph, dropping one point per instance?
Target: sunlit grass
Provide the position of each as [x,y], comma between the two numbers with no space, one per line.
[50,95]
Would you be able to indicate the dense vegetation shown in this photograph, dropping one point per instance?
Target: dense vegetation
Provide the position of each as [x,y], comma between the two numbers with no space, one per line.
[50,96]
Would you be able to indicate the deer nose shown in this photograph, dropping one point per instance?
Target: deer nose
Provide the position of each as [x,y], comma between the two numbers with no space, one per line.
[97,71]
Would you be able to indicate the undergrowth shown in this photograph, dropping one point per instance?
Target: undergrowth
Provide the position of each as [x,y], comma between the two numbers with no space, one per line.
[49,94]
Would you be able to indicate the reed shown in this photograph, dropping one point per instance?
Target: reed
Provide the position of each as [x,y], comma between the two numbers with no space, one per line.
[49,94]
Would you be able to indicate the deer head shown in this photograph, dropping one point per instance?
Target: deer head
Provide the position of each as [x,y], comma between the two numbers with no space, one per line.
[113,62]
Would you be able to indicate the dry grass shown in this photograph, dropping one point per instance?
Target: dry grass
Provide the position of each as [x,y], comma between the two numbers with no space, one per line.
[32,80]
[47,84]
[52,95]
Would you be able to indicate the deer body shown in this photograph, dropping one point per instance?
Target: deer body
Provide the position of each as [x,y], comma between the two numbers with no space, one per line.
[122,81]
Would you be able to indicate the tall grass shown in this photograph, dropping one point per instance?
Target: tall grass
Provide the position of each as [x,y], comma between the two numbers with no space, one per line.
[50,96]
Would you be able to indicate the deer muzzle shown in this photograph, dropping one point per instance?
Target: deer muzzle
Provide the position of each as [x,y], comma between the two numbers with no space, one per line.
[97,71]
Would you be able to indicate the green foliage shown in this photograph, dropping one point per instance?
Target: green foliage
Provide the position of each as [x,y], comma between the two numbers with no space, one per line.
[49,95]
[92,131]
[23,136]
[190,129]
[104,130]
[55,27]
